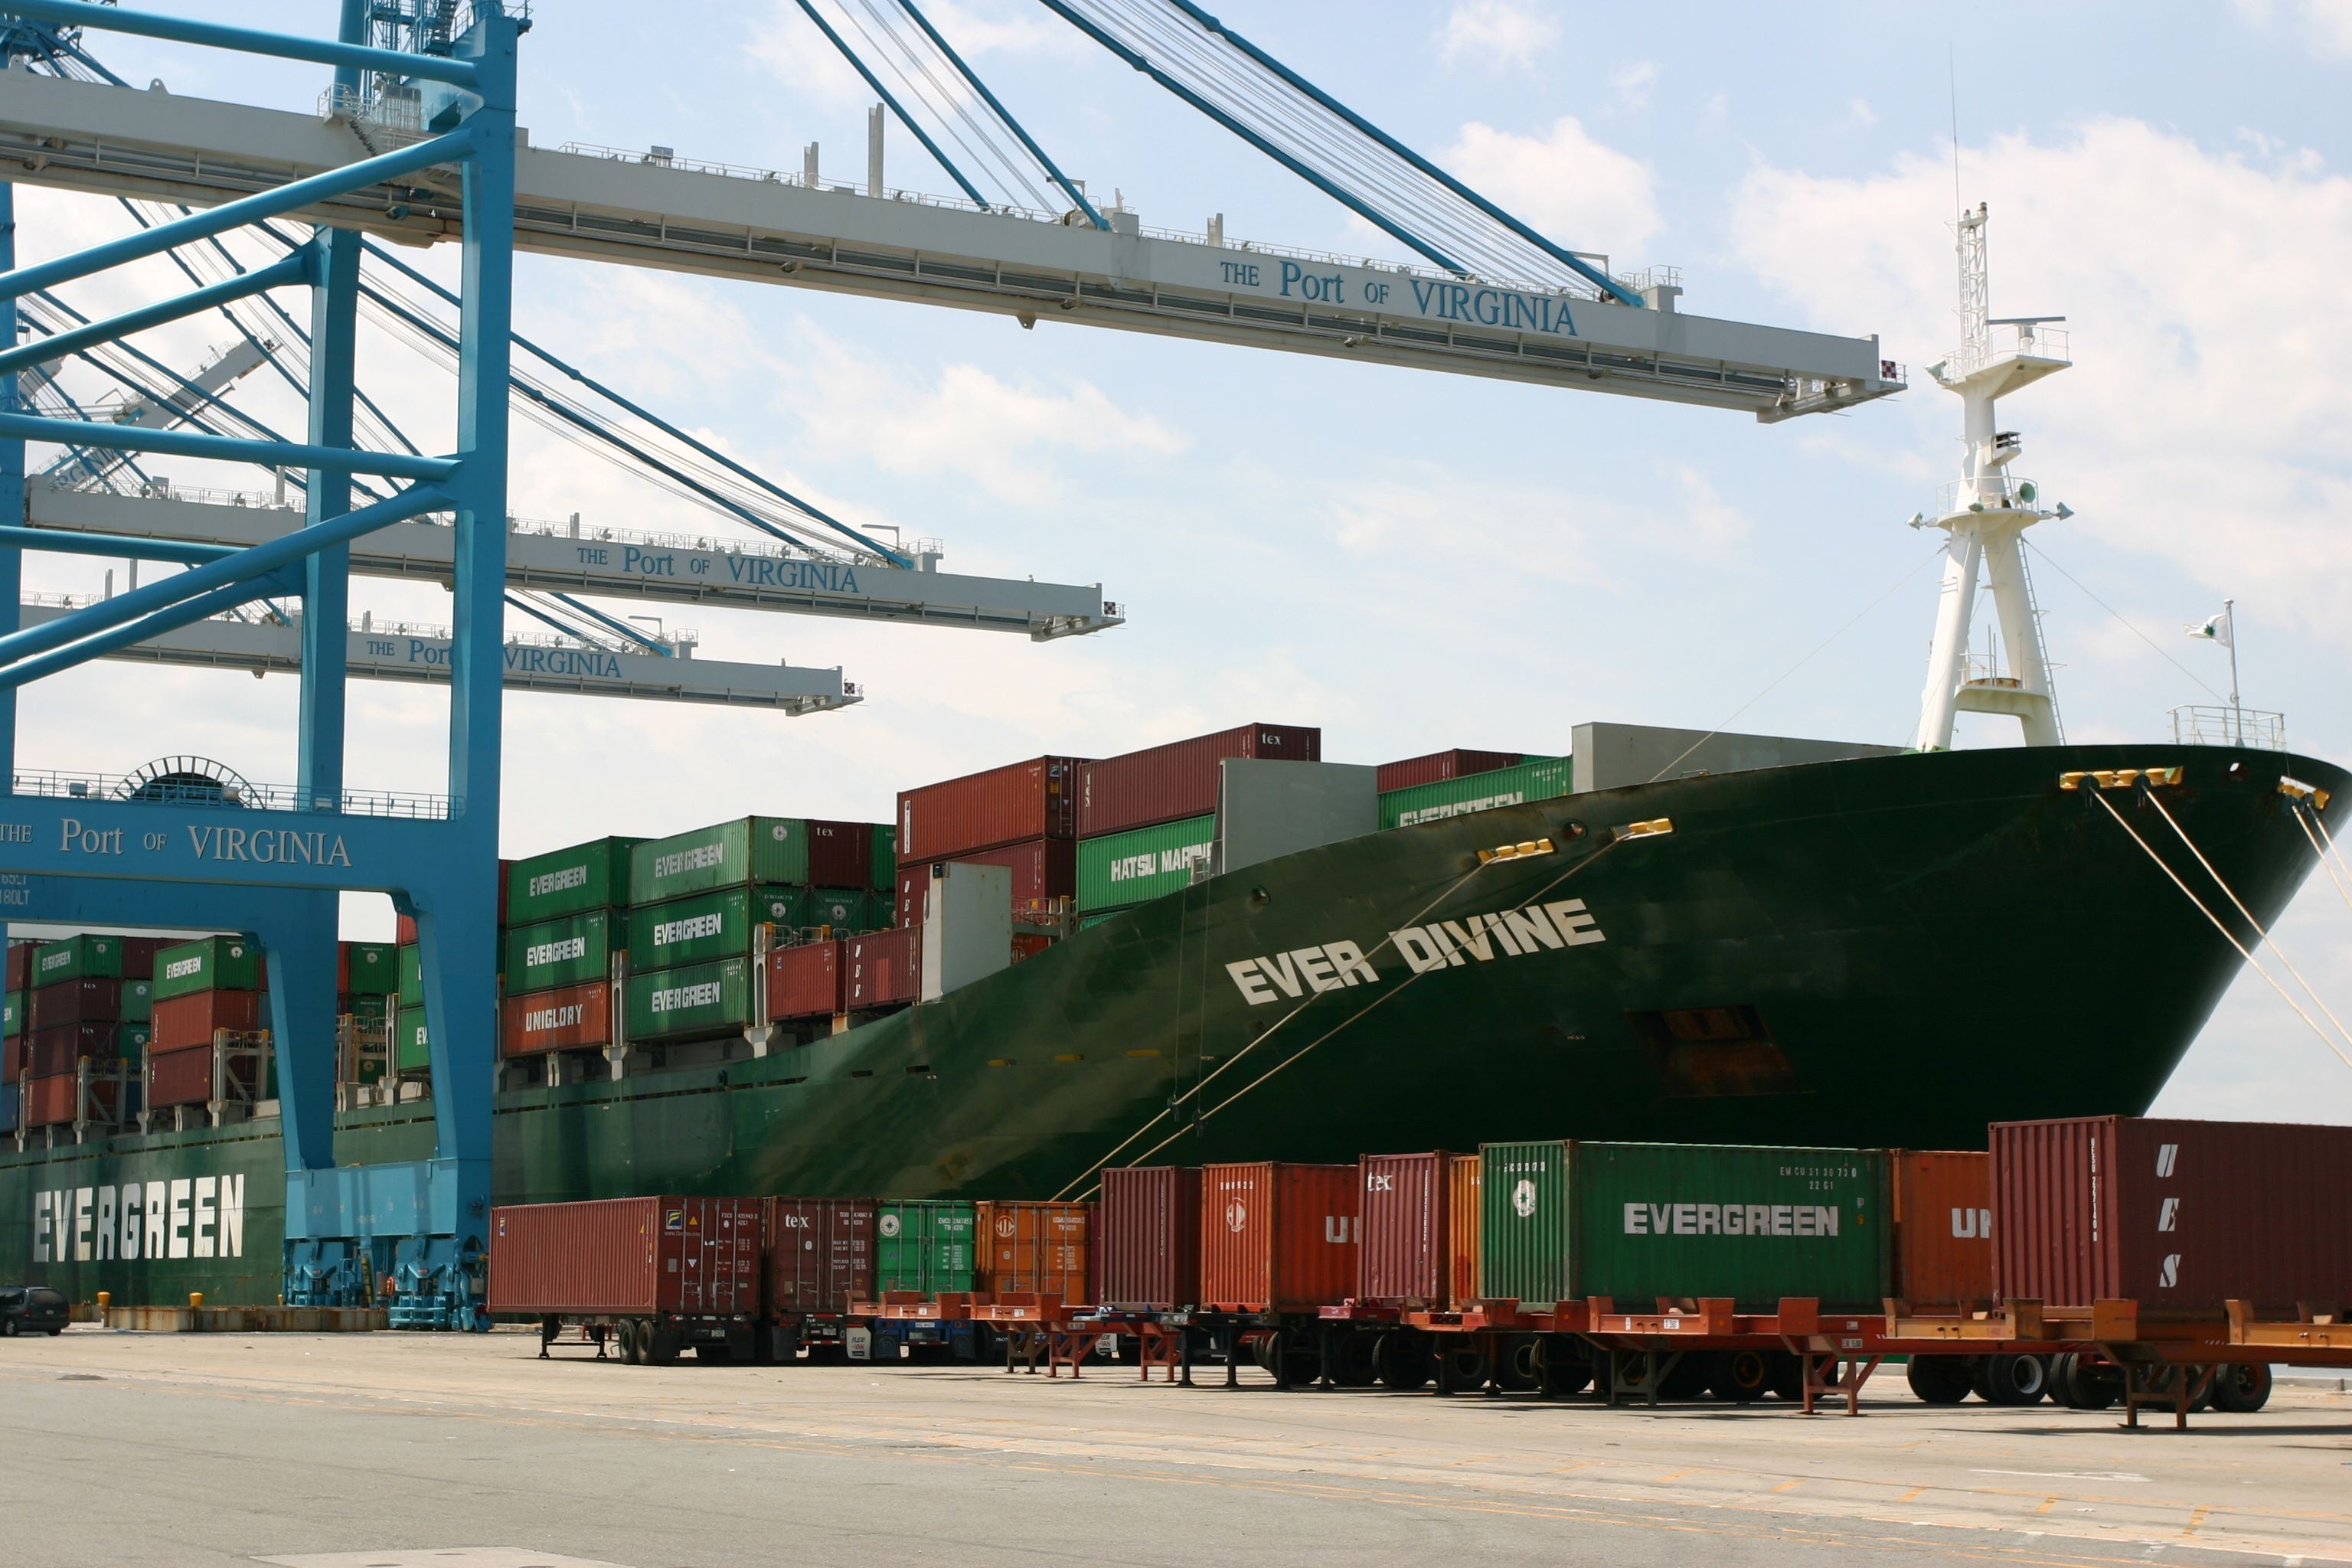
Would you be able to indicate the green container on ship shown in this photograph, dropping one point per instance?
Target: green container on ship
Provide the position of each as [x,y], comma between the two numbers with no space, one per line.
[1115,869]
[371,969]
[77,958]
[1564,1221]
[693,999]
[369,1009]
[1546,779]
[13,1011]
[926,1246]
[208,964]
[708,926]
[411,976]
[570,951]
[138,1001]
[411,1050]
[130,1040]
[748,849]
[591,875]
[886,858]
[843,908]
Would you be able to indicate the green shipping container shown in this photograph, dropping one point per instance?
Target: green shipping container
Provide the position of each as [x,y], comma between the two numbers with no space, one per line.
[749,850]
[591,875]
[1547,779]
[131,1039]
[1115,869]
[208,964]
[13,1013]
[369,1009]
[138,1001]
[885,878]
[698,999]
[77,958]
[843,908]
[924,1246]
[411,976]
[371,969]
[708,926]
[571,950]
[1564,1221]
[410,1049]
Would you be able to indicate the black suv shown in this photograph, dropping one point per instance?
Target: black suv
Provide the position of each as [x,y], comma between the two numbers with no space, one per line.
[32,1309]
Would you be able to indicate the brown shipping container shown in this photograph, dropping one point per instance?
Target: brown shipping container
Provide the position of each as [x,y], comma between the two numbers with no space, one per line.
[1042,869]
[2181,1217]
[139,955]
[840,853]
[1406,1254]
[51,1051]
[567,1018]
[627,1256]
[1036,1246]
[185,1077]
[820,1254]
[76,1001]
[49,1102]
[1942,1226]
[404,927]
[1439,766]
[1150,1226]
[1168,783]
[184,1022]
[1010,805]
[1277,1237]
[1462,1229]
[881,970]
[20,965]
[804,982]
[12,1058]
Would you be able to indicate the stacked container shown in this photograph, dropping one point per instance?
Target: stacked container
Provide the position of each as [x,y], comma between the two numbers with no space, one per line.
[1149,1225]
[805,981]
[69,1016]
[202,988]
[16,1011]
[1147,818]
[1278,1238]
[1543,779]
[367,983]
[408,1018]
[1119,870]
[1438,766]
[1023,816]
[566,916]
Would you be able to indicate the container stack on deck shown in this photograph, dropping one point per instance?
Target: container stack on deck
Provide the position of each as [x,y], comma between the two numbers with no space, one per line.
[1147,818]
[566,912]
[72,1016]
[1455,783]
[203,989]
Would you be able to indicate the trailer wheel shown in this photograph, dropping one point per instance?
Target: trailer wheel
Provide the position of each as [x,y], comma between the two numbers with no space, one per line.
[2010,1380]
[1741,1376]
[1402,1358]
[1689,1378]
[2241,1388]
[1517,1367]
[2080,1382]
[1566,1365]
[661,1345]
[1463,1368]
[1937,1379]
[633,1350]
[1785,1370]
[1355,1359]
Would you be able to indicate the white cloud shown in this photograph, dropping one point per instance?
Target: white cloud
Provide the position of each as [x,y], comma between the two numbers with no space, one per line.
[1496,33]
[1632,83]
[2203,420]
[2327,24]
[1859,115]
[1578,190]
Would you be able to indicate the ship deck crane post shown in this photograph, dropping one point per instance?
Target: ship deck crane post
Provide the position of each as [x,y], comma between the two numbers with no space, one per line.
[279,870]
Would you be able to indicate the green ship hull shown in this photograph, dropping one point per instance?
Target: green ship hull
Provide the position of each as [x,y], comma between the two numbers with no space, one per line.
[1886,952]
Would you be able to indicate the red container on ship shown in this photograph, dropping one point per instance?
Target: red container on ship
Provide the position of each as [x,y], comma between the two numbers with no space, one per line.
[1166,783]
[1943,1227]
[805,981]
[184,1078]
[1044,869]
[91,1001]
[1032,1246]
[884,969]
[20,965]
[56,1049]
[139,955]
[820,1255]
[1277,1237]
[404,927]
[840,853]
[1010,805]
[49,1102]
[567,1018]
[626,1257]
[12,1058]
[1406,1254]
[1148,1224]
[1439,766]
[2181,1217]
[182,1023]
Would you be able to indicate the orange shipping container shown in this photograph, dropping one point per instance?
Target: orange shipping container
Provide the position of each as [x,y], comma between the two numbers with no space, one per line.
[571,1018]
[1943,1227]
[1277,1237]
[1031,1246]
[1462,1230]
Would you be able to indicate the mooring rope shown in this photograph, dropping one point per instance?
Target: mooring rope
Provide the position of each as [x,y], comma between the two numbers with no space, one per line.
[2227,934]
[2327,864]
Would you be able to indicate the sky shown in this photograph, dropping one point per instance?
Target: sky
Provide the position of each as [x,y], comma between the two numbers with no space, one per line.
[1415,561]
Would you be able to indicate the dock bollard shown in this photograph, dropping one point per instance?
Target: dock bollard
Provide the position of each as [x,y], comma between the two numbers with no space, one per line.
[195,1299]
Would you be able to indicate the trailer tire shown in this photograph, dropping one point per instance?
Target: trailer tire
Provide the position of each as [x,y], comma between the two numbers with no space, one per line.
[2241,1388]
[1464,1369]
[2079,1382]
[625,1340]
[1938,1379]
[1566,1365]
[1786,1375]
[1689,1377]
[2010,1380]
[1741,1376]
[1355,1359]
[661,1345]
[1518,1367]
[1402,1358]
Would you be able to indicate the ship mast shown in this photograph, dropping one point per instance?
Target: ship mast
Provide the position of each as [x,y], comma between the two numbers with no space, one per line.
[1986,513]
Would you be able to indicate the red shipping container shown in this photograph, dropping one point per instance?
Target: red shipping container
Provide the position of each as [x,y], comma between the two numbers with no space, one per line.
[182,1023]
[139,955]
[1044,869]
[882,969]
[804,982]
[49,1102]
[1438,766]
[1277,1237]
[1149,1225]
[2181,1217]
[12,1058]
[1462,1228]
[820,1254]
[20,965]
[627,1256]
[54,1050]
[840,853]
[1406,1255]
[404,927]
[1029,944]
[568,1018]
[92,1001]
[1032,1246]
[1021,801]
[185,1077]
[1179,779]
[1943,1227]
